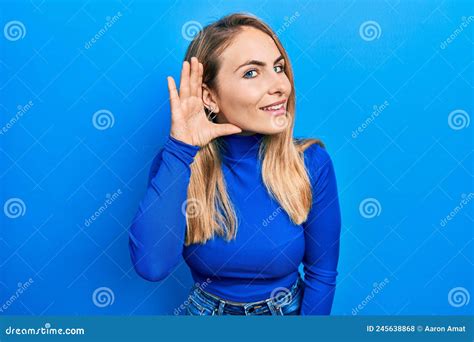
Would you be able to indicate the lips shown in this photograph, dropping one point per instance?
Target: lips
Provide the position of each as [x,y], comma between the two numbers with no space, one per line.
[274,106]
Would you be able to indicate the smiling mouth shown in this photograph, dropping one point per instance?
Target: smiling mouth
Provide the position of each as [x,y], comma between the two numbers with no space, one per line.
[274,107]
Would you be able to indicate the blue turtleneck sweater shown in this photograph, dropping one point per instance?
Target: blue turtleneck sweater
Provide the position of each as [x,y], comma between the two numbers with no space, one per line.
[268,248]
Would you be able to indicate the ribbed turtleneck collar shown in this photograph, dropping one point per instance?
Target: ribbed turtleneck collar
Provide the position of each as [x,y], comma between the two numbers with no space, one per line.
[236,147]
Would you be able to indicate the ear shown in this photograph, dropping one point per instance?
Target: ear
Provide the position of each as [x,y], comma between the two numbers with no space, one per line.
[209,98]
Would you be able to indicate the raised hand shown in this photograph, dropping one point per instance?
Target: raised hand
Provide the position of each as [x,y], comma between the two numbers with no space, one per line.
[189,122]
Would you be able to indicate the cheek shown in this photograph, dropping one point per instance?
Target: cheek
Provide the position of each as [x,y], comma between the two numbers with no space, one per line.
[287,86]
[242,98]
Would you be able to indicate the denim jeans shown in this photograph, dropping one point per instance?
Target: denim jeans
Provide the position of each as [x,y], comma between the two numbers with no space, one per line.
[282,302]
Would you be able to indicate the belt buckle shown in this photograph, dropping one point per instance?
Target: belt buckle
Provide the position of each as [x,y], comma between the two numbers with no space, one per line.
[251,307]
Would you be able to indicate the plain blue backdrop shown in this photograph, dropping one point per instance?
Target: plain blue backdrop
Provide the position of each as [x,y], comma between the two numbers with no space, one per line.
[387,85]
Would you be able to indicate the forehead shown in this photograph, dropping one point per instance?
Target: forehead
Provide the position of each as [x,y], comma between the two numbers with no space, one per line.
[249,43]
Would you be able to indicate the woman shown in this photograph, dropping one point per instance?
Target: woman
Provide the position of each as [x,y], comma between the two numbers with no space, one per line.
[232,191]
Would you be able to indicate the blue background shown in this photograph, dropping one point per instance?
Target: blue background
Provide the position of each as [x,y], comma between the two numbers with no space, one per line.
[415,163]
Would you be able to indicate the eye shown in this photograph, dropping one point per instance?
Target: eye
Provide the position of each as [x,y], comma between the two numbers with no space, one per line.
[247,74]
[280,66]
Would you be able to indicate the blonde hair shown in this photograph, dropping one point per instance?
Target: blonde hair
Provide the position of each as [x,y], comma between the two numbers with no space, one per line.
[209,210]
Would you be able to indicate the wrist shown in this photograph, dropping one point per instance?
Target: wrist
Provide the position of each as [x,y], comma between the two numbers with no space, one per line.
[182,140]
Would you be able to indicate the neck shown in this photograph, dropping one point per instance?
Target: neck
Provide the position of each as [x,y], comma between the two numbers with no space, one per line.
[245,133]
[240,146]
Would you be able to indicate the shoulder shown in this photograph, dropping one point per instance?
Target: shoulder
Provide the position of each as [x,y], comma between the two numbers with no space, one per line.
[316,157]
[314,150]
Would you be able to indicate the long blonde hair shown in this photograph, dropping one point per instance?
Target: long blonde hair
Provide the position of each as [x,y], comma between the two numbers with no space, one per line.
[209,210]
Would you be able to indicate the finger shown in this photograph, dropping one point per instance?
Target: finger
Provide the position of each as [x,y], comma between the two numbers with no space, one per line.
[194,76]
[226,129]
[174,98]
[201,72]
[184,82]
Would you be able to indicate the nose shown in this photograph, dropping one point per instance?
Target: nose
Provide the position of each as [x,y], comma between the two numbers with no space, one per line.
[278,83]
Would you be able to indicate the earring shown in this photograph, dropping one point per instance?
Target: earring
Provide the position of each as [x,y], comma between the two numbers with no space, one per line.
[212,112]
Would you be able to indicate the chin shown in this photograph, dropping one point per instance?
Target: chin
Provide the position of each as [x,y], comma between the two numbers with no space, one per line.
[278,123]
[269,130]
[269,126]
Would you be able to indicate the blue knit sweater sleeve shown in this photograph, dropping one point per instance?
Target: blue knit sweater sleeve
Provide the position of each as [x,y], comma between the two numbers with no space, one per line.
[322,232]
[157,232]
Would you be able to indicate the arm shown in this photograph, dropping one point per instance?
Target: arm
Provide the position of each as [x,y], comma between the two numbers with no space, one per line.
[322,232]
[158,229]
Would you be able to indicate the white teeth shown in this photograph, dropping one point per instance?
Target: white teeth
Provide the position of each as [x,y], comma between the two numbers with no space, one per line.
[273,107]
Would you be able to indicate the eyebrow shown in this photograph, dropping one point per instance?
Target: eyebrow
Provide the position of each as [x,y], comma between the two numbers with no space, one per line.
[255,62]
